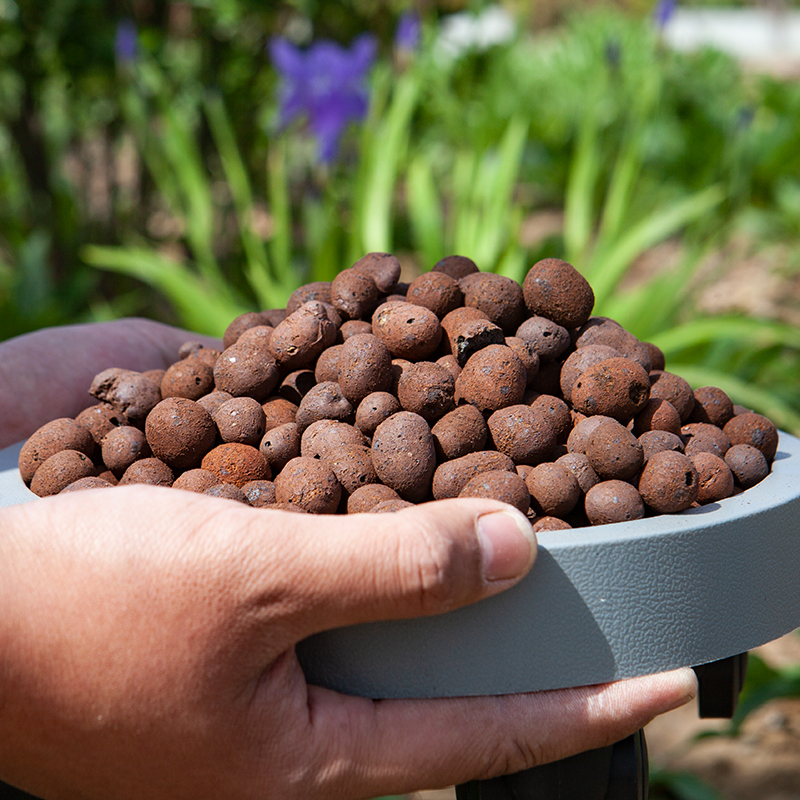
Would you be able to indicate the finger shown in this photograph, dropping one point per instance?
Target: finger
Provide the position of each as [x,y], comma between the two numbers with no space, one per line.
[408,745]
[417,562]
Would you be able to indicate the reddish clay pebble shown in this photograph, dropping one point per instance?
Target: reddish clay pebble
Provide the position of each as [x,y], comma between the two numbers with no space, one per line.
[580,467]
[352,467]
[499,297]
[426,389]
[353,294]
[616,387]
[90,482]
[374,409]
[280,445]
[469,337]
[286,507]
[755,430]
[554,490]
[302,336]
[99,419]
[209,355]
[319,291]
[658,441]
[239,325]
[237,464]
[364,499]
[748,465]
[675,390]
[578,361]
[189,378]
[155,375]
[327,366]
[613,501]
[189,348]
[657,359]
[365,366]
[180,432]
[657,415]
[390,506]
[462,431]
[523,433]
[703,437]
[150,471]
[109,477]
[278,411]
[383,268]
[258,336]
[353,327]
[507,487]
[212,401]
[326,437]
[195,480]
[601,330]
[227,491]
[244,370]
[714,478]
[324,401]
[51,438]
[404,455]
[456,266]
[60,470]
[557,413]
[409,331]
[241,420]
[581,433]
[555,289]
[128,392]
[309,484]
[436,291]
[526,354]
[550,524]
[399,366]
[452,476]
[274,316]
[711,405]
[450,363]
[259,493]
[492,379]
[614,452]
[460,316]
[296,385]
[122,446]
[669,482]
[549,340]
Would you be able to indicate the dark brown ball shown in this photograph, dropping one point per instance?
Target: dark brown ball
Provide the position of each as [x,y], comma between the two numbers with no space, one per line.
[748,465]
[755,430]
[669,482]
[409,331]
[468,337]
[553,488]
[51,438]
[383,268]
[353,327]
[616,387]
[301,337]
[374,409]
[703,437]
[150,471]
[492,379]
[462,431]
[190,378]
[501,485]
[309,484]
[195,480]
[280,445]
[324,401]
[601,330]
[614,452]
[426,389]
[556,411]
[353,294]
[296,385]
[613,501]
[452,476]
[673,389]
[364,499]
[211,402]
[122,446]
[317,291]
[456,266]
[523,433]
[556,290]
[365,366]
[436,291]
[352,467]
[526,353]
[240,324]
[129,392]
[550,340]
[155,375]
[550,524]
[326,437]
[390,506]
[580,467]
[258,336]
[244,370]
[180,432]
[711,405]
[657,441]
[500,297]
[581,433]
[404,455]
[714,478]
[278,411]
[260,493]
[227,491]
[99,419]
[657,415]
[241,420]
[237,464]
[327,366]
[90,482]
[60,470]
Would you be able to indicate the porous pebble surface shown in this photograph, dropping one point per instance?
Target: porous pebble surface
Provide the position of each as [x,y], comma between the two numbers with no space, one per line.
[367,395]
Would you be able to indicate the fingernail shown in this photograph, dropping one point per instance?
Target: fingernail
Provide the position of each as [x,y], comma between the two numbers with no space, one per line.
[508,544]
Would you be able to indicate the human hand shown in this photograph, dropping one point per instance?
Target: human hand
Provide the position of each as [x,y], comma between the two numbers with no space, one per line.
[147,650]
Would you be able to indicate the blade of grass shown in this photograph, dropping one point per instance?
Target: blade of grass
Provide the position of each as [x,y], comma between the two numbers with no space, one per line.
[425,210]
[747,330]
[280,206]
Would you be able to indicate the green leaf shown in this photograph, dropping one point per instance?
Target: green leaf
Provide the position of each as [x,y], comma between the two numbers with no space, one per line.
[681,786]
[581,183]
[425,210]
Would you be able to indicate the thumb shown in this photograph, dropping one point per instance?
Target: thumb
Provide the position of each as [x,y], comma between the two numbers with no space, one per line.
[416,562]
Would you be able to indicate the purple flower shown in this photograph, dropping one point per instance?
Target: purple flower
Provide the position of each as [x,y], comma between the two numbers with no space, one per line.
[327,84]
[407,34]
[126,41]
[663,12]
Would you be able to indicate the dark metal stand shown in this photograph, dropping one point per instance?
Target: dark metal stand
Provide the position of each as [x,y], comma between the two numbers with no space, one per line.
[616,772]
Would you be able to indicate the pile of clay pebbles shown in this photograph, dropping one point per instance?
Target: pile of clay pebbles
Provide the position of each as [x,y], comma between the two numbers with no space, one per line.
[369,395]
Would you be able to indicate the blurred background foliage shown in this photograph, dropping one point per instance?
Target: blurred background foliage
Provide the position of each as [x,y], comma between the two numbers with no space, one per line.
[145,168]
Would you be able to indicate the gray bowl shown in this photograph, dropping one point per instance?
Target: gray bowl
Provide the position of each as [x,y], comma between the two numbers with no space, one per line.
[601,603]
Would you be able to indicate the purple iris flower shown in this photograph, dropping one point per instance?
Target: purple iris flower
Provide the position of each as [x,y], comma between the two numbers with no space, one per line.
[663,12]
[407,34]
[126,41]
[327,84]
